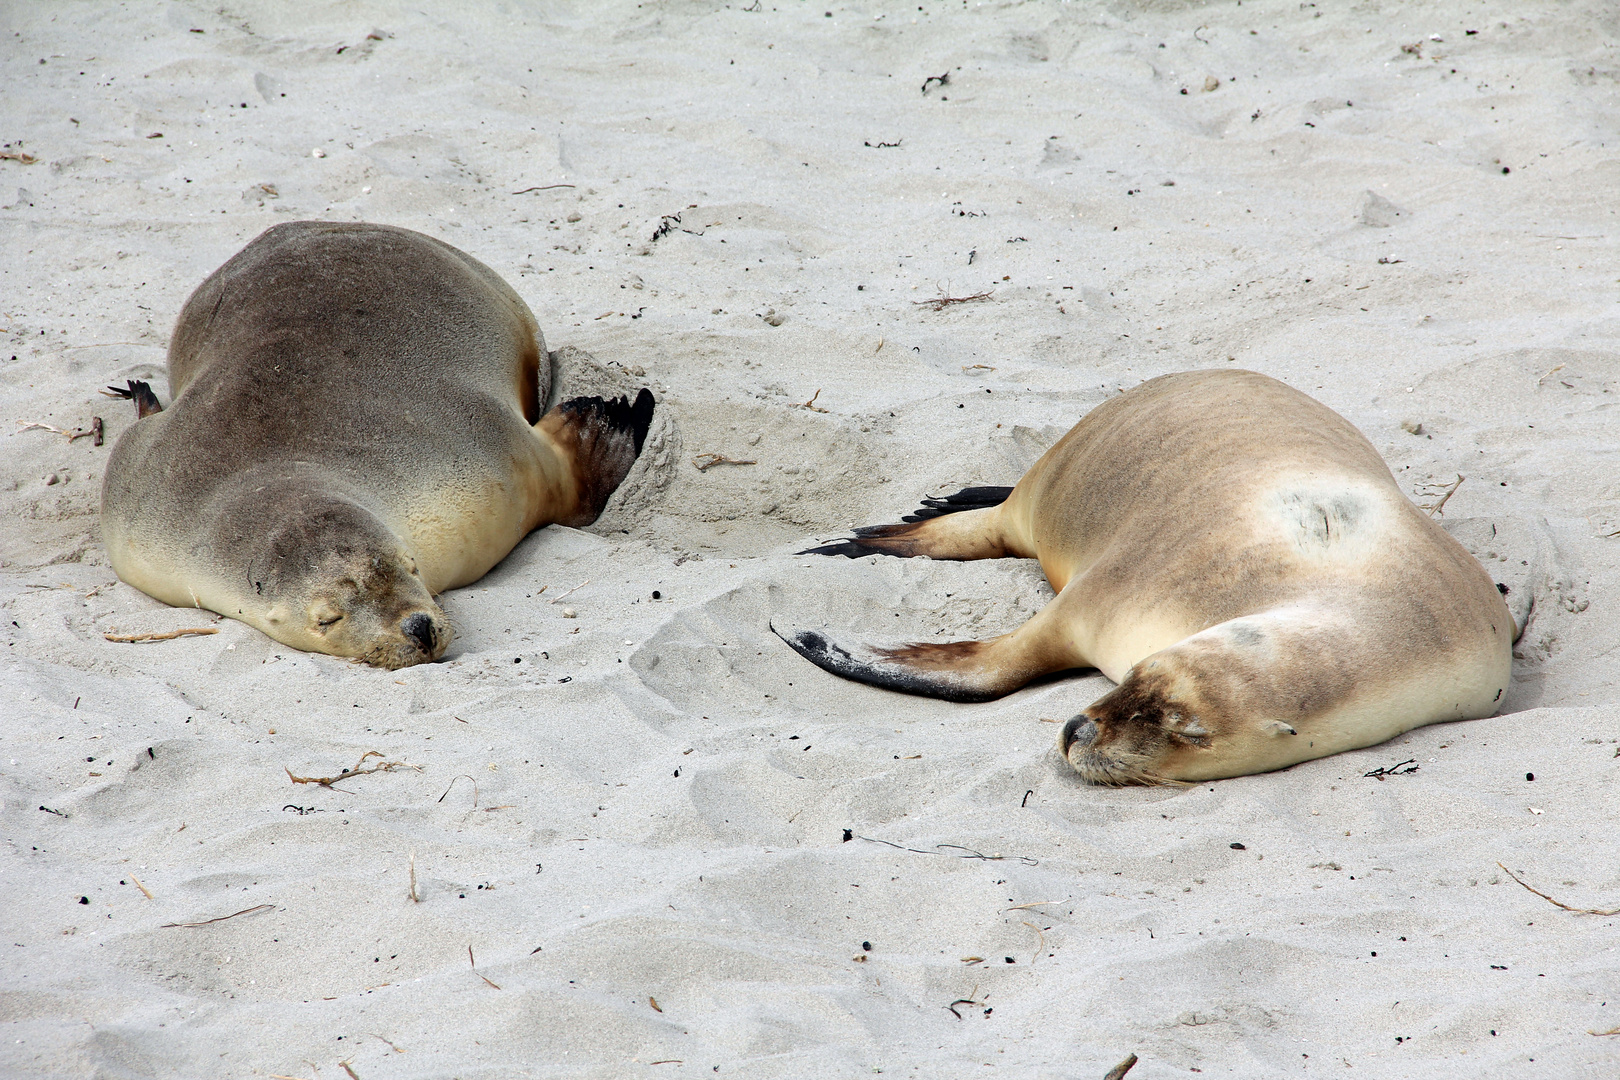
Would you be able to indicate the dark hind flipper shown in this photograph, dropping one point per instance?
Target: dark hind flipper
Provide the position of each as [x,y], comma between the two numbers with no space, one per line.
[953,670]
[970,498]
[878,666]
[146,402]
[960,526]
[600,439]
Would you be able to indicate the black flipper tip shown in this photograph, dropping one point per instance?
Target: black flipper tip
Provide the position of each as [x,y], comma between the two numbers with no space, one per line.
[831,657]
[849,549]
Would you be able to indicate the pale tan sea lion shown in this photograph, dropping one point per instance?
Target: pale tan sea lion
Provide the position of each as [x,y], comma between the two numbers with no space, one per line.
[1238,558]
[354,427]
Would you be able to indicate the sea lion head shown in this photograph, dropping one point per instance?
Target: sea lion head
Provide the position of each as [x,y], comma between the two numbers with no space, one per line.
[334,579]
[1161,724]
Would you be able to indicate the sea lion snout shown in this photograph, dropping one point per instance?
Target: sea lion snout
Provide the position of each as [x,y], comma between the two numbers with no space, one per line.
[1079,732]
[419,628]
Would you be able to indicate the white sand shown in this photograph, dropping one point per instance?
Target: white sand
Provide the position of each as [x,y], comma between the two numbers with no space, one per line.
[667,824]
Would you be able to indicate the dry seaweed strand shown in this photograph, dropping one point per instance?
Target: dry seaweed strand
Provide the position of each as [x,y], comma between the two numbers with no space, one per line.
[328,781]
[1118,1071]
[463,776]
[222,918]
[542,187]
[1559,903]
[349,1069]
[942,301]
[169,635]
[1611,1031]
[811,404]
[971,853]
[705,462]
[138,885]
[1040,941]
[1437,509]
[278,1076]
[415,899]
[480,974]
[390,1042]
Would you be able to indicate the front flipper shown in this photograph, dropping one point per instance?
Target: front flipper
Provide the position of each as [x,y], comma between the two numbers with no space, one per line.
[599,440]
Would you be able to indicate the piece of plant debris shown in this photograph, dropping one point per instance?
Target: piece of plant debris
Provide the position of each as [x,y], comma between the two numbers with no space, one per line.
[360,769]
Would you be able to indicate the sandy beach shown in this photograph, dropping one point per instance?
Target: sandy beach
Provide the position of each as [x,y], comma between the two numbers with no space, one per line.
[622,830]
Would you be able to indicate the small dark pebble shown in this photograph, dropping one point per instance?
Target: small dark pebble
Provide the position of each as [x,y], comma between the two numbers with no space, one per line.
[84,899]
[849,834]
[1506,170]
[517,659]
[657,595]
[866,946]
[1240,847]
[1529,776]
[1009,960]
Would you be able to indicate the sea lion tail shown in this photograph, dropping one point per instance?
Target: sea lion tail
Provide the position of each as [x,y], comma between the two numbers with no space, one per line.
[600,439]
[961,526]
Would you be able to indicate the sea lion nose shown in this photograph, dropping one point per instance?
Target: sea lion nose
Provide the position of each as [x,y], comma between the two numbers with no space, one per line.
[419,628]
[1081,731]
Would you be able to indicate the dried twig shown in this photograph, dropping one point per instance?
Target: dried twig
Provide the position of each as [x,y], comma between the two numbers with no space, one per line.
[94,430]
[1393,770]
[570,592]
[328,781]
[167,636]
[541,187]
[1034,903]
[21,156]
[480,974]
[349,1069]
[705,462]
[1554,371]
[811,404]
[942,301]
[1611,1031]
[222,918]
[1118,1071]
[1558,903]
[141,887]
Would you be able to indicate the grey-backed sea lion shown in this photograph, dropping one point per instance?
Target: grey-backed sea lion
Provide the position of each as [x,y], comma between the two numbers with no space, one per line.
[1238,558]
[354,427]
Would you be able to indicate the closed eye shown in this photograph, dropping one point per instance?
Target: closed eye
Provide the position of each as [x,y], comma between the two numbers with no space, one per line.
[324,623]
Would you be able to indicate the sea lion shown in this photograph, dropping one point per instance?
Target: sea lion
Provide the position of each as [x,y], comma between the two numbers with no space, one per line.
[1238,558]
[354,427]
